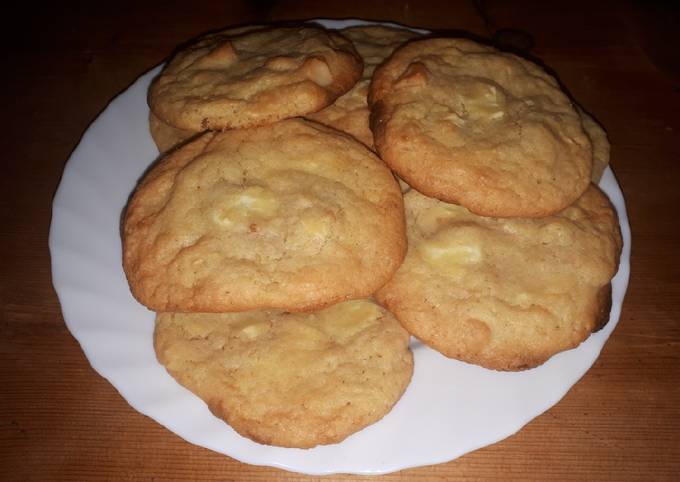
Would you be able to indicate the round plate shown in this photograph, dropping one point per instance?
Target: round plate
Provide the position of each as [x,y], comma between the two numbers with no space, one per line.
[449,409]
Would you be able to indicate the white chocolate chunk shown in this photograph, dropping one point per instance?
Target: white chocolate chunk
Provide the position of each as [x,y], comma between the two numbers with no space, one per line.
[318,72]
[250,204]
[449,254]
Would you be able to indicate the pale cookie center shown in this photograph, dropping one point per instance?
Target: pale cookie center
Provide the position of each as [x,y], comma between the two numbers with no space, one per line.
[252,203]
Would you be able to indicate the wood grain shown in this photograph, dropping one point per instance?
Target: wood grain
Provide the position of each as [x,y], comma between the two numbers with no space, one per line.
[59,420]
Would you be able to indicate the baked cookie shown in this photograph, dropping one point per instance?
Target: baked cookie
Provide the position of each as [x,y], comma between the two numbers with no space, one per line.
[505,293]
[293,380]
[238,78]
[600,142]
[165,136]
[471,125]
[291,216]
[349,113]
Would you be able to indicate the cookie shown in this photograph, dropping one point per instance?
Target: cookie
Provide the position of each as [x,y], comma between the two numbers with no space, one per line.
[291,216]
[164,135]
[349,113]
[293,380]
[600,142]
[249,78]
[505,293]
[471,125]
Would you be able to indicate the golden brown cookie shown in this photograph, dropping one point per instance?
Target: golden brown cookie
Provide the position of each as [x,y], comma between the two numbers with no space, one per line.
[165,136]
[349,113]
[505,293]
[293,380]
[254,77]
[292,216]
[600,142]
[471,125]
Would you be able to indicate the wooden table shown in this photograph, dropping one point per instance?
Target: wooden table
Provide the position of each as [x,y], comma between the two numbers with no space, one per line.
[60,420]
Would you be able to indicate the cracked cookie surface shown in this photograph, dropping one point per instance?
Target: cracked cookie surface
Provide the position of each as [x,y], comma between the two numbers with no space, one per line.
[505,293]
[291,216]
[294,380]
[253,76]
[468,124]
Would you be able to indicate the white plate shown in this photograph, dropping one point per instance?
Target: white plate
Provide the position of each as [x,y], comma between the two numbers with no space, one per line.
[449,409]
